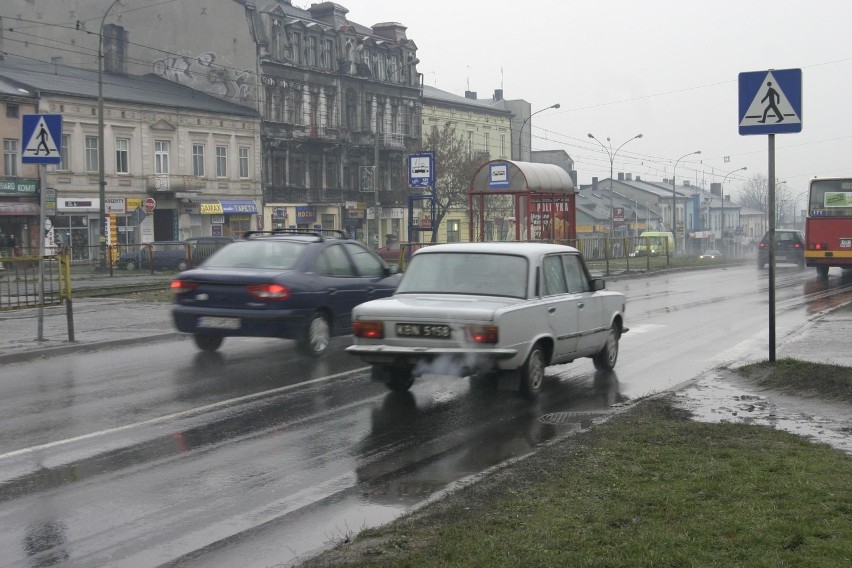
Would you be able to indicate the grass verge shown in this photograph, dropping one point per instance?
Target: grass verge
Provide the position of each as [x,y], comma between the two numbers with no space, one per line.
[650,487]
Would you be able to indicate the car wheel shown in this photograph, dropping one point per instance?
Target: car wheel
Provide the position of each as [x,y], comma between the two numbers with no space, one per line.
[606,358]
[183,265]
[532,373]
[208,343]
[822,271]
[760,265]
[317,337]
[396,378]
[130,265]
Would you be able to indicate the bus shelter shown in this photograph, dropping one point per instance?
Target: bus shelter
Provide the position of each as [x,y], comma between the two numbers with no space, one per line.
[522,201]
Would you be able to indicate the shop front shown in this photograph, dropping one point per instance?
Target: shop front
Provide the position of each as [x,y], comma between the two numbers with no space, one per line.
[217,218]
[19,216]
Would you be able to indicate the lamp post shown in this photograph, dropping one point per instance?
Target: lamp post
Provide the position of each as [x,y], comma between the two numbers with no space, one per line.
[674,202]
[376,159]
[722,197]
[521,132]
[101,180]
[611,155]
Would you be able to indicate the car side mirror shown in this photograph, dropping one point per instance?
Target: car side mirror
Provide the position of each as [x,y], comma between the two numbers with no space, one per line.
[598,284]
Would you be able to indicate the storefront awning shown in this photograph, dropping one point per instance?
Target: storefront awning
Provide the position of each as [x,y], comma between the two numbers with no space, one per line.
[244,206]
[19,209]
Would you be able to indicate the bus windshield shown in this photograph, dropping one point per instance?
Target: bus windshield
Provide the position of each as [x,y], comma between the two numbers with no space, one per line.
[831,198]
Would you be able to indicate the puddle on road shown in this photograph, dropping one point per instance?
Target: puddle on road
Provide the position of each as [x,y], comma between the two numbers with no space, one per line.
[715,399]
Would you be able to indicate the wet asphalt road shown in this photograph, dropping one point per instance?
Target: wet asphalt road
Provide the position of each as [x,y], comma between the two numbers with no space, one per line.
[255,456]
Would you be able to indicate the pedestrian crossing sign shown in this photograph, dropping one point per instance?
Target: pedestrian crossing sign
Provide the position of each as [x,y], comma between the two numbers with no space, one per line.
[41,138]
[770,101]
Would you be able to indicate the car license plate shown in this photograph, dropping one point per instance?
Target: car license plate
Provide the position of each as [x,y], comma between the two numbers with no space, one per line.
[211,322]
[423,330]
[845,243]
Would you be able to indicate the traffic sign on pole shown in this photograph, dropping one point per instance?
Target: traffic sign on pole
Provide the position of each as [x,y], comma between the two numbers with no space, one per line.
[770,101]
[41,138]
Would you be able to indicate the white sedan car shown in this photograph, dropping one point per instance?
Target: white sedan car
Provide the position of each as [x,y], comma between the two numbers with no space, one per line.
[508,309]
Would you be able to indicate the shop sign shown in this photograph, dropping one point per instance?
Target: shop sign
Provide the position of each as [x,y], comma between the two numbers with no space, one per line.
[217,219]
[78,204]
[211,209]
[114,205]
[306,214]
[17,186]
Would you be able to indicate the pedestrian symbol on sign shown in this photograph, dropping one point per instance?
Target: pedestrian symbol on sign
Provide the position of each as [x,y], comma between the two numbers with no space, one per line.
[41,132]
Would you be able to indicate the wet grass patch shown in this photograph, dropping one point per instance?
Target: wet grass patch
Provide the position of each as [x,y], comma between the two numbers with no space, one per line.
[648,488]
[792,376]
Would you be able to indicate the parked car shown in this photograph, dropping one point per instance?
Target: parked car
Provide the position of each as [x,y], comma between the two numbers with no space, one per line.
[288,283]
[488,309]
[710,254]
[165,255]
[789,248]
[391,253]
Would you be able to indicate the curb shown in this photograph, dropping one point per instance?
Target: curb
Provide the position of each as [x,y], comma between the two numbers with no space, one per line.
[78,347]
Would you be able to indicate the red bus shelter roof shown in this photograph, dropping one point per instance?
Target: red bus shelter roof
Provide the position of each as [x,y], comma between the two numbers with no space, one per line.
[530,177]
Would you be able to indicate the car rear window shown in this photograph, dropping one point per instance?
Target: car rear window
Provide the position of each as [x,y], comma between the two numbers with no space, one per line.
[264,254]
[466,273]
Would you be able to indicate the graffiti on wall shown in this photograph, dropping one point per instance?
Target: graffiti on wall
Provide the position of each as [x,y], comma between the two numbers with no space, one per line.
[202,73]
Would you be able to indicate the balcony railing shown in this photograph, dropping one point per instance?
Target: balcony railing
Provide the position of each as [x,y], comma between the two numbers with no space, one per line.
[167,182]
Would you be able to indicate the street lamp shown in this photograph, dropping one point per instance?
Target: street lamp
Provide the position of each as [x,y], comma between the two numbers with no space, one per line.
[674,202]
[611,155]
[101,181]
[524,123]
[722,196]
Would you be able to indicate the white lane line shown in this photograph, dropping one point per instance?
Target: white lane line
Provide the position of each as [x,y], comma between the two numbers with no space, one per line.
[176,415]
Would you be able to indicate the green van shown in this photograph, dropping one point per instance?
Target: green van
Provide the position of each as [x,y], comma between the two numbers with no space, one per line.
[654,243]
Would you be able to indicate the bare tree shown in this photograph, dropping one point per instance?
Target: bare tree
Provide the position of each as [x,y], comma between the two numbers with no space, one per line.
[755,195]
[455,165]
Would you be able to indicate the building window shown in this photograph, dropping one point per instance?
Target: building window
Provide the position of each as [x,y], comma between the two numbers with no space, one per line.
[312,51]
[488,143]
[122,155]
[198,160]
[244,162]
[469,143]
[161,156]
[221,161]
[10,156]
[453,231]
[502,145]
[12,111]
[63,153]
[91,153]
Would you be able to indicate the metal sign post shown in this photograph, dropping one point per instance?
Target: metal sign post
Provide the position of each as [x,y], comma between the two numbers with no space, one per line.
[770,102]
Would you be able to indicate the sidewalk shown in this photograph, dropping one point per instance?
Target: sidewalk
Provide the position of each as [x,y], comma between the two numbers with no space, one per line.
[96,321]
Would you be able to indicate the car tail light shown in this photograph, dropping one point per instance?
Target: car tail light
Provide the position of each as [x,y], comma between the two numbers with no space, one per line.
[183,286]
[368,329]
[797,245]
[269,291]
[762,245]
[819,246]
[481,333]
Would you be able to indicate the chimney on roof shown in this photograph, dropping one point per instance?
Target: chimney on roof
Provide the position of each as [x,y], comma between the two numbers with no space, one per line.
[638,178]
[686,183]
[716,189]
[620,176]
[594,182]
[629,176]
[329,13]
[470,95]
[393,31]
[498,94]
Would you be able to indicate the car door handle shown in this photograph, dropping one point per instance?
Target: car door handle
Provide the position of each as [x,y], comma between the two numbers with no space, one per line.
[332,290]
[580,305]
[551,310]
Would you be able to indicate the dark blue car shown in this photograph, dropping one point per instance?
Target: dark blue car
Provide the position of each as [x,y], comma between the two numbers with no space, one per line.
[293,284]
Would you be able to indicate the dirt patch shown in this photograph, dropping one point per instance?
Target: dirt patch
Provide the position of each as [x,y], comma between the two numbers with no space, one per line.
[726,396]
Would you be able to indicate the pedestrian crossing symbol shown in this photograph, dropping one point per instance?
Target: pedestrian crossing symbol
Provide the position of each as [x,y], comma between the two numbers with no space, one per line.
[41,136]
[770,101]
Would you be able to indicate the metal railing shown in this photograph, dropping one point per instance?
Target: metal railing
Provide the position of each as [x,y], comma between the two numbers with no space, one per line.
[23,285]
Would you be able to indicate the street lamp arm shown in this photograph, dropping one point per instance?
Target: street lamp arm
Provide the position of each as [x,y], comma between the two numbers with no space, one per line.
[524,123]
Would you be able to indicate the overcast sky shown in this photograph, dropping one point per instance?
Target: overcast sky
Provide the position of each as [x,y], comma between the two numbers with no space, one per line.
[667,69]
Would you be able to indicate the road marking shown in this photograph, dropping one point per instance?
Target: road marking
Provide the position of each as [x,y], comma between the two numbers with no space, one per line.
[175,415]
